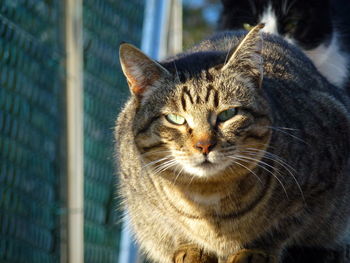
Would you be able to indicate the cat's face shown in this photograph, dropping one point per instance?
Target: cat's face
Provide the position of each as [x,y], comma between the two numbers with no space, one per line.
[305,23]
[204,125]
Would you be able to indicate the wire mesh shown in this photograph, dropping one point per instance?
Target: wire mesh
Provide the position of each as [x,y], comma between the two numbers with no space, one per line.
[31,112]
[106,24]
[29,130]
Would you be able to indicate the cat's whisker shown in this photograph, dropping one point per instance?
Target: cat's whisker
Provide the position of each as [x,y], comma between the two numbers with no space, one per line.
[193,176]
[273,156]
[178,174]
[285,165]
[155,152]
[260,161]
[156,161]
[287,133]
[283,128]
[259,164]
[245,167]
[164,166]
[277,159]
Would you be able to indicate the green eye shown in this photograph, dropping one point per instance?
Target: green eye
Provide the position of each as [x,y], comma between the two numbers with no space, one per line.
[247,26]
[175,119]
[227,114]
[291,25]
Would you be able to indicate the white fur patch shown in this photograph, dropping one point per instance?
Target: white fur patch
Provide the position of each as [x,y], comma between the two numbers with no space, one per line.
[205,199]
[268,17]
[330,61]
[194,164]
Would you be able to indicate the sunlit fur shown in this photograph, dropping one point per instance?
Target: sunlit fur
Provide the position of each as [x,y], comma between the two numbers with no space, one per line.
[272,176]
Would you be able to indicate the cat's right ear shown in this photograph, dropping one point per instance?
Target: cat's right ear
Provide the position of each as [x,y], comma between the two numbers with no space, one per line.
[247,57]
[141,72]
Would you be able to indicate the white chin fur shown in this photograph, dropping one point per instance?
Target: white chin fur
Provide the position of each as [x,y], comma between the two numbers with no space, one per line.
[201,171]
[204,170]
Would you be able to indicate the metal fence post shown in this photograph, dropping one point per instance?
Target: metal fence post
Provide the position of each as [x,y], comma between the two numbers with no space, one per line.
[74,129]
[161,36]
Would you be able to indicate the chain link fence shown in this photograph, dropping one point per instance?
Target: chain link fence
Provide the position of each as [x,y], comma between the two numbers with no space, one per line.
[106,24]
[29,131]
[31,117]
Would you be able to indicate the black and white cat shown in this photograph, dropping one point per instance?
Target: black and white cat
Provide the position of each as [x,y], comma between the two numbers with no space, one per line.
[318,27]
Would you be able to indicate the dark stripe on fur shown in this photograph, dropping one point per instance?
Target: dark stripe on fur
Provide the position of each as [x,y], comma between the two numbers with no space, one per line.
[148,148]
[187,92]
[216,98]
[209,77]
[255,114]
[209,89]
[258,137]
[144,129]
[229,216]
[183,102]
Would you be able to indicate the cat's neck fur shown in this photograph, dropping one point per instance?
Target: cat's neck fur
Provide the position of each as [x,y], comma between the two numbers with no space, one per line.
[222,197]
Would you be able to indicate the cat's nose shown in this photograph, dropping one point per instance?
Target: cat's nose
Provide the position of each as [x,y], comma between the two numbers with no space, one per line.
[205,146]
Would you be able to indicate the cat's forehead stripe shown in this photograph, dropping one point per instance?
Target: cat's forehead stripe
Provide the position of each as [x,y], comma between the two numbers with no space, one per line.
[209,77]
[211,95]
[185,94]
[211,90]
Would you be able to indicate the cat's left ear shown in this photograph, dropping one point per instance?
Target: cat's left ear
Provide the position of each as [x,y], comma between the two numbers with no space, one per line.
[247,58]
[141,72]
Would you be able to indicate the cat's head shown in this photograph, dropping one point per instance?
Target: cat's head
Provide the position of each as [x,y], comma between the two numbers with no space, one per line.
[201,125]
[306,23]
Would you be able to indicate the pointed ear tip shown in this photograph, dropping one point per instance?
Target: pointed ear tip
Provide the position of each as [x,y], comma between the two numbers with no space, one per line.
[123,45]
[258,27]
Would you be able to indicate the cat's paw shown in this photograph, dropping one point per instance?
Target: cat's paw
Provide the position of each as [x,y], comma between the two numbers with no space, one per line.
[192,254]
[251,256]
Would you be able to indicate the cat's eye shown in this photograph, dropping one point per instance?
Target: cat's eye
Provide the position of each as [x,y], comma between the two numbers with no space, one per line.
[247,26]
[291,25]
[227,114]
[175,119]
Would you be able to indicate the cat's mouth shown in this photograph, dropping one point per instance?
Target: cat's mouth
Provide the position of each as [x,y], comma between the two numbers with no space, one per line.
[203,166]
[206,164]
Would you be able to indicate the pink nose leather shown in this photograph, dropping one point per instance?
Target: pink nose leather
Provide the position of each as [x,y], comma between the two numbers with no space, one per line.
[205,146]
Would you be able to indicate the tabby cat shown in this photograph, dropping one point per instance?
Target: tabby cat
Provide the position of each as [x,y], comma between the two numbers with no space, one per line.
[319,27]
[233,152]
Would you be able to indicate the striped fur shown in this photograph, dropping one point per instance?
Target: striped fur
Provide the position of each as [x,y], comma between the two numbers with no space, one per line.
[273,176]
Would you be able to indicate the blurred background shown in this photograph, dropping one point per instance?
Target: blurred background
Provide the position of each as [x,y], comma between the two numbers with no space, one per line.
[61,88]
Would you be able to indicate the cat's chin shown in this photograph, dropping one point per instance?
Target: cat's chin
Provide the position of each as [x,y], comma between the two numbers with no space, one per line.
[205,169]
